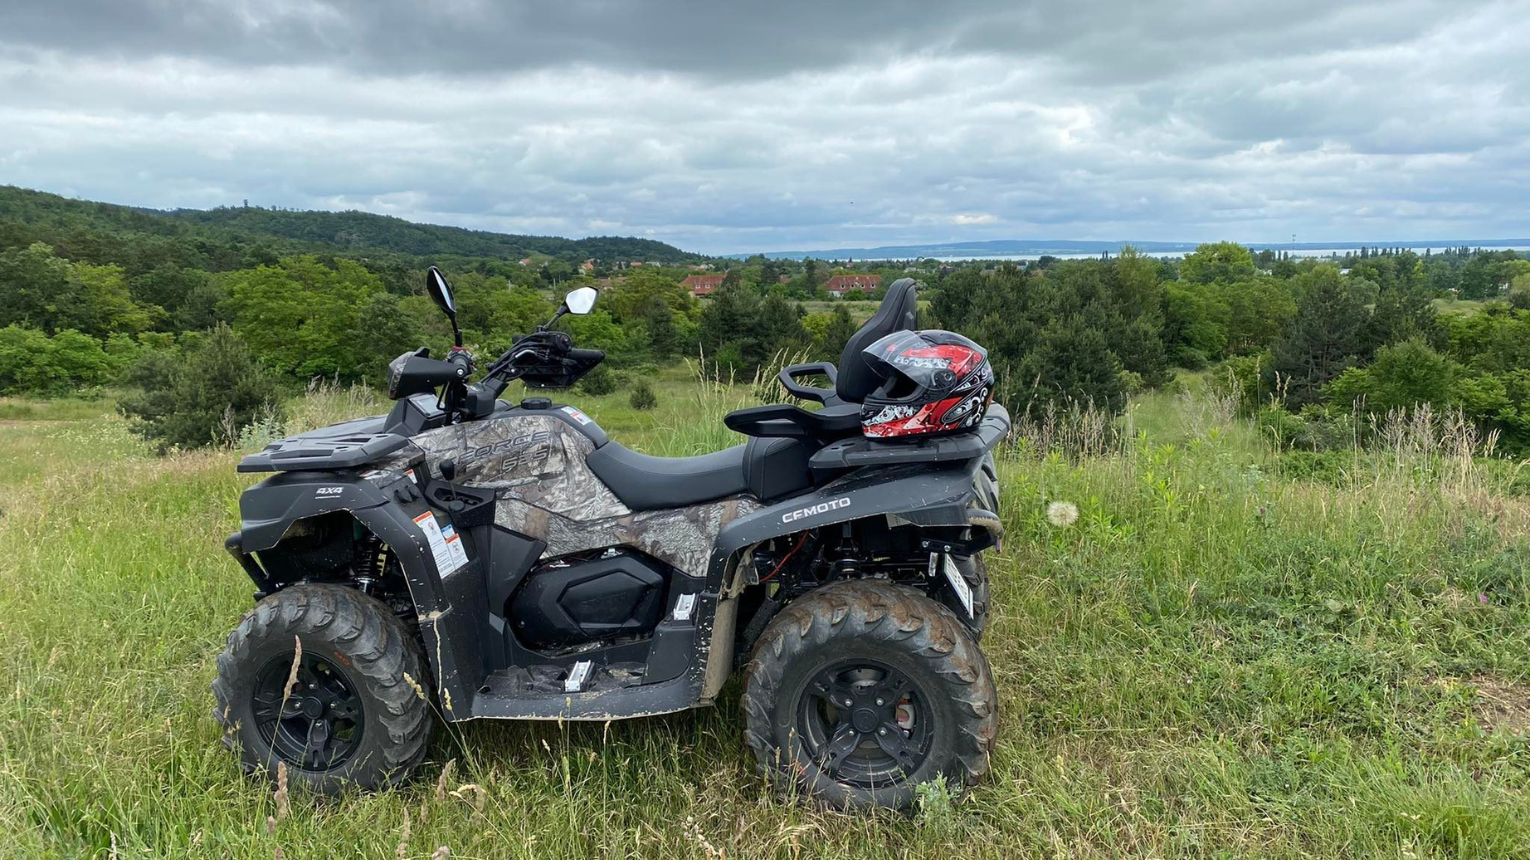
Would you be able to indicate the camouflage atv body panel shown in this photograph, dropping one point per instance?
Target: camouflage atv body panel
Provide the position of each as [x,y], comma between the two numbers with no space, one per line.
[682,538]
[535,464]
[536,458]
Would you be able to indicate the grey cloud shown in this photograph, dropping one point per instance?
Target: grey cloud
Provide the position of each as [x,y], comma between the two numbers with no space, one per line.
[726,127]
[730,39]
[1099,41]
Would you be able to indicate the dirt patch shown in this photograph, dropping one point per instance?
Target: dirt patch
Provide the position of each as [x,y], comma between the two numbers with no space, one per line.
[1502,705]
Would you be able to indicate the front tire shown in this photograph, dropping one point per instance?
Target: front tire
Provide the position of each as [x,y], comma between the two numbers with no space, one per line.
[345,716]
[862,690]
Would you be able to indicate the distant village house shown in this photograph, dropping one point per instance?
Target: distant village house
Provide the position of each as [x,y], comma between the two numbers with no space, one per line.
[702,285]
[841,285]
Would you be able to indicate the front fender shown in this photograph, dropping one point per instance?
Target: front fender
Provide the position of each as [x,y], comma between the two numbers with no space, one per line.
[269,509]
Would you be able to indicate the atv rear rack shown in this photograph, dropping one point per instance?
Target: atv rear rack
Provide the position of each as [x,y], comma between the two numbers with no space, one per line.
[859,451]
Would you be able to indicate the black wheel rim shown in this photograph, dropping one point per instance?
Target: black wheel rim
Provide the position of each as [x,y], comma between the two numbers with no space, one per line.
[865,723]
[318,725]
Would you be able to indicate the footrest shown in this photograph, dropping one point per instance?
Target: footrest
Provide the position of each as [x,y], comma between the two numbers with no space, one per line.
[610,692]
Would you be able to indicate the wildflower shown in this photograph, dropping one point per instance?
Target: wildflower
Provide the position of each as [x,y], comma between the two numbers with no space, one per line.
[415,686]
[403,842]
[297,659]
[1062,514]
[282,804]
[446,773]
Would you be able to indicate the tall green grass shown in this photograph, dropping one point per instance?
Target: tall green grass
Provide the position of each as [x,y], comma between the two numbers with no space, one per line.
[1214,660]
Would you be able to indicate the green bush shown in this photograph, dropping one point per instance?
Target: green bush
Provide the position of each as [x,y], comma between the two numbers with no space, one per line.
[203,395]
[1188,357]
[1242,377]
[1329,428]
[1281,427]
[643,396]
[31,362]
[600,380]
[1326,467]
[1402,376]
[1316,428]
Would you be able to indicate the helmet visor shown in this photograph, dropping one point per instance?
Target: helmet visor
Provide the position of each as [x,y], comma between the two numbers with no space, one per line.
[934,367]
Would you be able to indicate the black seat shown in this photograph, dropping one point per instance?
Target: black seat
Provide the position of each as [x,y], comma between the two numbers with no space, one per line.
[767,469]
[773,464]
[899,311]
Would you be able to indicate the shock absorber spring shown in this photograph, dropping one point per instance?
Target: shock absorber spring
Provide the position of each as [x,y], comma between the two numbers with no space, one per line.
[372,561]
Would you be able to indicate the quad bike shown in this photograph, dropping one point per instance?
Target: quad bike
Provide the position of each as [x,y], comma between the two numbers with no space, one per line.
[462,558]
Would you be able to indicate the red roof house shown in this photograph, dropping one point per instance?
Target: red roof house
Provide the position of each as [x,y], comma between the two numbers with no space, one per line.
[702,285]
[840,285]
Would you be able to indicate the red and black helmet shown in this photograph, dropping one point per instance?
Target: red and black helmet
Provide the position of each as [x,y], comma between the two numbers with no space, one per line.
[932,382]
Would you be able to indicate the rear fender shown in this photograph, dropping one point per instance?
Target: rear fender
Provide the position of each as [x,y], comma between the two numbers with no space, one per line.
[916,494]
[913,495]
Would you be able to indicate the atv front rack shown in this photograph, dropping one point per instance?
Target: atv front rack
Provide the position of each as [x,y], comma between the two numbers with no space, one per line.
[301,453]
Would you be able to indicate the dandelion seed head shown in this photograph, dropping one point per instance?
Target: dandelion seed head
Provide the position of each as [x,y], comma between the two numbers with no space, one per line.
[1062,514]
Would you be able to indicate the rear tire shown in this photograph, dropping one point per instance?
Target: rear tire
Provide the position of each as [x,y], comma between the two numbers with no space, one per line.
[862,690]
[351,679]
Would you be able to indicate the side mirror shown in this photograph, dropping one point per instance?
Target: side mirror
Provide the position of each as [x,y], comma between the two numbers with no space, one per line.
[441,293]
[580,301]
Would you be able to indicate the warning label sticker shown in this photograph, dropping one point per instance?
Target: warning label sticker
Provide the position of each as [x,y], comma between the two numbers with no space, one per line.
[454,544]
[447,559]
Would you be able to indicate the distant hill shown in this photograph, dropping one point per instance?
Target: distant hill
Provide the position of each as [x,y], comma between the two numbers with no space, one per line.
[348,232]
[1059,247]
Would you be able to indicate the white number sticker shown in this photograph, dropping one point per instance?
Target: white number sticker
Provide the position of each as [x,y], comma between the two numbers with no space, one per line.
[958,583]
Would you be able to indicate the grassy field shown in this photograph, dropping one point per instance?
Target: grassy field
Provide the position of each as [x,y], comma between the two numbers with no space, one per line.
[860,310]
[1214,661]
[1465,307]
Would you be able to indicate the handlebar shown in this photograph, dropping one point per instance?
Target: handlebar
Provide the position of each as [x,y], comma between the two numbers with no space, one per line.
[550,353]
[462,358]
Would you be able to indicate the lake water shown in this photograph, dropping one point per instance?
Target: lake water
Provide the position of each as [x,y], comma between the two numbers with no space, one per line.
[1175,255]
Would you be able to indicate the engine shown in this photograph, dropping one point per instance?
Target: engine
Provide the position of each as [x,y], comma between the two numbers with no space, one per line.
[613,593]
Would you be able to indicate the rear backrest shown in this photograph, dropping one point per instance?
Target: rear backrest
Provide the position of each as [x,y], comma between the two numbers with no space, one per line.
[899,311]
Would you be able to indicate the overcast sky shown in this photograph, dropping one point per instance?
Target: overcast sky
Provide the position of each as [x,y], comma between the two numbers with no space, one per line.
[730,127]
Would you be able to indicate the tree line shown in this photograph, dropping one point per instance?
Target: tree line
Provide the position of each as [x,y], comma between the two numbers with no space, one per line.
[1310,345]
[94,295]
